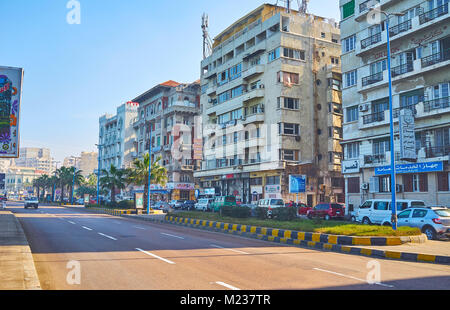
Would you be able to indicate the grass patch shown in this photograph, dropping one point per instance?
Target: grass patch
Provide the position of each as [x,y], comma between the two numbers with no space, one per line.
[305,225]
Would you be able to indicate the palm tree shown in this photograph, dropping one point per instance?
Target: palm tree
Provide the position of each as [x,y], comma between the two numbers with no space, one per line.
[139,174]
[113,180]
[45,182]
[37,183]
[65,177]
[77,179]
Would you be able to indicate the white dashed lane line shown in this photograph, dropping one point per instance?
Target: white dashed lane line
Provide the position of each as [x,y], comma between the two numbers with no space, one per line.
[87,228]
[156,256]
[350,277]
[173,236]
[233,250]
[109,237]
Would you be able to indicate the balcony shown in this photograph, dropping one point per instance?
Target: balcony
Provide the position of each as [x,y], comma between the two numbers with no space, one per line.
[436,58]
[437,151]
[402,69]
[253,71]
[440,103]
[366,5]
[187,168]
[371,40]
[396,112]
[254,118]
[253,94]
[375,159]
[372,79]
[373,118]
[405,26]
[433,14]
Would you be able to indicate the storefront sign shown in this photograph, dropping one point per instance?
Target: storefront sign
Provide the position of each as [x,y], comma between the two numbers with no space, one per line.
[350,166]
[181,186]
[210,191]
[297,184]
[411,168]
[256,190]
[272,189]
[87,198]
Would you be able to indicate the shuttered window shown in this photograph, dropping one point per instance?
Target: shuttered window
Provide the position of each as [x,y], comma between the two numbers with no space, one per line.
[354,185]
[443,179]
[348,9]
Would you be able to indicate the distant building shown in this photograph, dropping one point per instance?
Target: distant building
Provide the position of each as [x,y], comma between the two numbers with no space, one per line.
[37,158]
[19,180]
[88,163]
[71,161]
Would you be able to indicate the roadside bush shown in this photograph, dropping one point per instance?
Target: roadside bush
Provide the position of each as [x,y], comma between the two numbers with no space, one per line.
[261,213]
[284,214]
[126,204]
[236,212]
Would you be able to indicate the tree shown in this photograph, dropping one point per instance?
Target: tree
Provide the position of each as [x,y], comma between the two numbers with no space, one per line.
[113,180]
[65,177]
[77,179]
[139,174]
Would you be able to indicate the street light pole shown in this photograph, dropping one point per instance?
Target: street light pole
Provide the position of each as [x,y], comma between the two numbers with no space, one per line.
[149,172]
[391,121]
[98,173]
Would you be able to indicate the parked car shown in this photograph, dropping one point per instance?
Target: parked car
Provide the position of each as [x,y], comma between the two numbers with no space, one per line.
[223,201]
[432,221]
[204,204]
[80,201]
[160,205]
[3,198]
[31,202]
[271,204]
[327,211]
[189,205]
[178,204]
[303,209]
[376,210]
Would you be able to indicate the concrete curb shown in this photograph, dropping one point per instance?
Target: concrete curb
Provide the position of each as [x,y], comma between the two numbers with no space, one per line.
[309,240]
[17,270]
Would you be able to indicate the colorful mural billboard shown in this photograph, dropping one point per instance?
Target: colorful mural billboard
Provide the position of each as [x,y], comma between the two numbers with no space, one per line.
[10,97]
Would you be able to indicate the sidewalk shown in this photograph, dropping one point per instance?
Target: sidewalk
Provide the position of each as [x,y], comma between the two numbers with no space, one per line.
[17,270]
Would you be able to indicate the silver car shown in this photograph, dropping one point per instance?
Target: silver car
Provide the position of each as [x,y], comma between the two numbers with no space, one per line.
[432,221]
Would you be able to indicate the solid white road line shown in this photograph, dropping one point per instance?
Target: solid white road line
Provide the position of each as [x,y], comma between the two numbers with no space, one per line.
[112,238]
[139,227]
[350,277]
[87,228]
[169,235]
[156,256]
[233,250]
[228,286]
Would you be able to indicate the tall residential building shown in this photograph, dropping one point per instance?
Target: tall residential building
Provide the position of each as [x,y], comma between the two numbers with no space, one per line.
[37,158]
[116,137]
[87,162]
[420,47]
[170,110]
[271,107]
[71,161]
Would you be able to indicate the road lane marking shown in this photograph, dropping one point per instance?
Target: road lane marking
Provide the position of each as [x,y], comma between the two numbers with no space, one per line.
[350,277]
[228,286]
[233,250]
[169,235]
[112,238]
[87,228]
[139,227]
[156,256]
[71,222]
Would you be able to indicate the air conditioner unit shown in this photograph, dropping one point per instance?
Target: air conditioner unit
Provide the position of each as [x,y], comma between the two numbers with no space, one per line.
[261,86]
[363,108]
[365,186]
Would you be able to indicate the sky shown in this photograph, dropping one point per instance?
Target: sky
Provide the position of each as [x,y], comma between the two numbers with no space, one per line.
[74,73]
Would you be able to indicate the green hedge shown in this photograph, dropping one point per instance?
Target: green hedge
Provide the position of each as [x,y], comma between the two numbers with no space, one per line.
[236,212]
[284,214]
[123,205]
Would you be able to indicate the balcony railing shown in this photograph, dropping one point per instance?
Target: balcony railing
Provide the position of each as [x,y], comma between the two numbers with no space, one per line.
[437,151]
[367,5]
[374,78]
[439,103]
[396,112]
[405,26]
[433,14]
[374,159]
[436,58]
[371,40]
[372,118]
[402,69]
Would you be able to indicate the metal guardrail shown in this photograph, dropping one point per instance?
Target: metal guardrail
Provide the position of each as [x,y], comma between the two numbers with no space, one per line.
[402,69]
[371,40]
[439,103]
[437,151]
[405,26]
[433,14]
[372,118]
[371,79]
[367,5]
[436,58]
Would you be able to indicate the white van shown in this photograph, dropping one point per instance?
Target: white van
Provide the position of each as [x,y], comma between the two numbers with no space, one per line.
[374,211]
[271,204]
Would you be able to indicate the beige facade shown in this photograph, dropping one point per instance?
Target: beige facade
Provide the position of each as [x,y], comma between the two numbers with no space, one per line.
[19,180]
[420,47]
[271,107]
[37,158]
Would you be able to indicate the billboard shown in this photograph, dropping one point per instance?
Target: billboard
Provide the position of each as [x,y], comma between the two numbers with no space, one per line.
[10,97]
[297,184]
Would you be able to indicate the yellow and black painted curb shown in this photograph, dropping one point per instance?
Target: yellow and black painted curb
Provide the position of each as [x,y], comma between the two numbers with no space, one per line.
[310,240]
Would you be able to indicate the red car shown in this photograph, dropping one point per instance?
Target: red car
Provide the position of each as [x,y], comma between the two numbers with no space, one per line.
[327,211]
[303,209]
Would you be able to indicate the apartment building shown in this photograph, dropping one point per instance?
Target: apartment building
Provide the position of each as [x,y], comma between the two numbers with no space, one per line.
[166,121]
[271,107]
[420,47]
[116,137]
[19,180]
[37,158]
[87,162]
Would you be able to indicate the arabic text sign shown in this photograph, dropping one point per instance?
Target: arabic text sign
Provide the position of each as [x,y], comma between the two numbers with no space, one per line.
[10,96]
[407,136]
[297,184]
[411,168]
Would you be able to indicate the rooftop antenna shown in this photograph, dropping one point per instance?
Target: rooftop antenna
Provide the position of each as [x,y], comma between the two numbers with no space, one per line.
[303,7]
[207,42]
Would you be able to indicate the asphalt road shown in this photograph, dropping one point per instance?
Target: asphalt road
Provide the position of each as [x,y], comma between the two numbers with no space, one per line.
[116,253]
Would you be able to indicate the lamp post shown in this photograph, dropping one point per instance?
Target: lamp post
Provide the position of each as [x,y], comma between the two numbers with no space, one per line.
[391,118]
[54,184]
[98,173]
[149,172]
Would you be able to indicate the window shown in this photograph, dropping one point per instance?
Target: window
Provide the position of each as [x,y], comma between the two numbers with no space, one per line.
[235,72]
[404,214]
[291,155]
[443,181]
[415,183]
[256,181]
[334,60]
[293,53]
[381,205]
[348,9]
[275,54]
[288,78]
[353,185]
[385,184]
[352,114]
[350,78]
[352,150]
[381,146]
[289,103]
[348,44]
[275,180]
[289,129]
[419,213]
